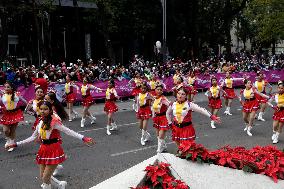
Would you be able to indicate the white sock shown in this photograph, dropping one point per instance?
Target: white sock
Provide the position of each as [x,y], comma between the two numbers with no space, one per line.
[228,109]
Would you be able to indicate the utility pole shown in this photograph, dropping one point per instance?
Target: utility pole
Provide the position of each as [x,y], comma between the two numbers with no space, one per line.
[164,45]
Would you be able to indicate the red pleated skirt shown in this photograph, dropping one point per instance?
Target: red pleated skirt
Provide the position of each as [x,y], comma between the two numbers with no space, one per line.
[230,93]
[144,113]
[135,91]
[215,103]
[279,115]
[50,154]
[250,106]
[183,134]
[70,98]
[260,99]
[110,107]
[12,117]
[87,101]
[161,123]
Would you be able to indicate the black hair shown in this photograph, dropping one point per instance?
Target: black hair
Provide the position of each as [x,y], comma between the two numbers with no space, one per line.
[182,88]
[246,81]
[58,106]
[40,75]
[111,81]
[14,89]
[47,119]
[158,84]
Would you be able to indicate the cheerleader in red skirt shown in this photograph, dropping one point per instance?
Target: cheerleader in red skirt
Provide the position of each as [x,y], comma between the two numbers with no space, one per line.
[191,83]
[144,113]
[227,85]
[178,82]
[182,127]
[261,85]
[32,107]
[250,104]
[60,113]
[152,84]
[278,116]
[70,96]
[160,122]
[136,90]
[110,106]
[214,97]
[12,114]
[87,101]
[50,153]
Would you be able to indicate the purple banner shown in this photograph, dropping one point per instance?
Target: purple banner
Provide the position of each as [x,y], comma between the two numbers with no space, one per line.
[124,90]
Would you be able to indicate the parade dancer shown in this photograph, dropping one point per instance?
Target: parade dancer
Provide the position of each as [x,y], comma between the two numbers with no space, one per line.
[87,101]
[181,122]
[152,84]
[250,104]
[191,82]
[215,102]
[136,90]
[12,114]
[261,85]
[70,97]
[110,106]
[32,107]
[160,122]
[278,116]
[50,153]
[144,112]
[227,86]
[60,113]
[178,82]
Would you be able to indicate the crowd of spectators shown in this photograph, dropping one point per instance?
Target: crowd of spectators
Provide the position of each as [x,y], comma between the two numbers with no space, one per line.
[102,69]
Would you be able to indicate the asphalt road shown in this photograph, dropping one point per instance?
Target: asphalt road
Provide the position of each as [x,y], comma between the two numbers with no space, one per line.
[88,166]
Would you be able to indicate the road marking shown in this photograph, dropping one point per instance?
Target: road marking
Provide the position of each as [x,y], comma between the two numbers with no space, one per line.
[123,125]
[136,150]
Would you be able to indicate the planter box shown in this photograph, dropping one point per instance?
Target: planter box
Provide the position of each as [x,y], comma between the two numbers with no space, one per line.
[195,175]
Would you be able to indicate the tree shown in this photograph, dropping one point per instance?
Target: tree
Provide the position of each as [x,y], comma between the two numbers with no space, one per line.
[268,18]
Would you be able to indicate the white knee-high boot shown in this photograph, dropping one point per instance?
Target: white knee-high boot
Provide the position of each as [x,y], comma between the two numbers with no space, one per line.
[46,186]
[57,183]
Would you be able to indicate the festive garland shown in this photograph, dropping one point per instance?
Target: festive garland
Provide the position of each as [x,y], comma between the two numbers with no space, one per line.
[159,176]
[266,160]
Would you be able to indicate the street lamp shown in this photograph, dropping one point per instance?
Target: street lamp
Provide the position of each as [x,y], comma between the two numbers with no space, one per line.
[164,47]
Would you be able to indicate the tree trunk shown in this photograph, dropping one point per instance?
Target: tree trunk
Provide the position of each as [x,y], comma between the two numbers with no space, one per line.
[273,47]
[3,35]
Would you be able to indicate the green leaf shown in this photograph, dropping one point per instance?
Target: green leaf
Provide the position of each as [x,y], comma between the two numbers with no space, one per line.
[247,169]
[188,156]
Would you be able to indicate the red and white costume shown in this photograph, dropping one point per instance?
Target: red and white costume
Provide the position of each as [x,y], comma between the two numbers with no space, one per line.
[12,114]
[111,96]
[279,114]
[35,111]
[87,99]
[143,105]
[50,151]
[251,103]
[192,85]
[159,109]
[152,85]
[214,99]
[136,89]
[70,92]
[260,86]
[228,88]
[182,127]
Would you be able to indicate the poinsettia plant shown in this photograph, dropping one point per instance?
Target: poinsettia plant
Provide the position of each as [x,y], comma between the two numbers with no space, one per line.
[158,176]
[266,160]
